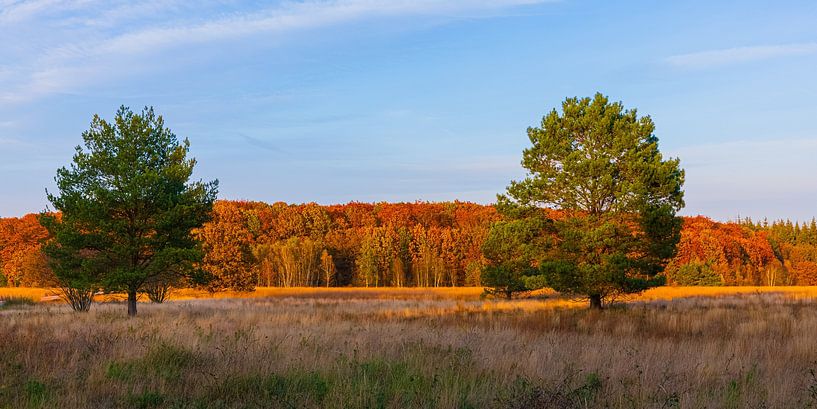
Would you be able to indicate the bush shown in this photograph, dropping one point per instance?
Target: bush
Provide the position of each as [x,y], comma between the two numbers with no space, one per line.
[504,282]
[696,274]
[158,292]
[80,298]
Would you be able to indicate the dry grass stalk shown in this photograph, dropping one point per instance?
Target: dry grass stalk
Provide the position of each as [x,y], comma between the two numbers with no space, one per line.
[417,348]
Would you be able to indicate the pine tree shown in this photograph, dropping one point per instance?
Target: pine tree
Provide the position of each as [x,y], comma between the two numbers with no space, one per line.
[600,165]
[127,207]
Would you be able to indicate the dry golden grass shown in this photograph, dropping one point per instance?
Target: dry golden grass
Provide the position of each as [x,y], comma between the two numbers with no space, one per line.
[393,348]
[437,293]
[34,293]
[669,293]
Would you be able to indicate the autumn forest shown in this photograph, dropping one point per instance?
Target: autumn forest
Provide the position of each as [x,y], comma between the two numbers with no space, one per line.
[249,244]
[362,305]
[433,204]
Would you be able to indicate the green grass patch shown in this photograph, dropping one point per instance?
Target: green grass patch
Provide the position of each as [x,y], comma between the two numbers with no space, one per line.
[146,400]
[37,393]
[421,378]
[165,361]
[169,361]
[294,389]
[120,371]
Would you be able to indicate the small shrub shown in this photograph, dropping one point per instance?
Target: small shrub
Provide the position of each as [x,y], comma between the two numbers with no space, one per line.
[501,281]
[158,292]
[696,274]
[79,298]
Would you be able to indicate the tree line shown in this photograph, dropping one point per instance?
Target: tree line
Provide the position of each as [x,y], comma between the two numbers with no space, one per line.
[249,244]
[745,252]
[594,217]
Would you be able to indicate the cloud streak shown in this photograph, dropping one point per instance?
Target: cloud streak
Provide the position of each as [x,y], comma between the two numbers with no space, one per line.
[737,55]
[69,65]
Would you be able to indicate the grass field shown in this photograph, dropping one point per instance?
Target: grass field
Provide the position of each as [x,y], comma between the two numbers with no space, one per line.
[394,348]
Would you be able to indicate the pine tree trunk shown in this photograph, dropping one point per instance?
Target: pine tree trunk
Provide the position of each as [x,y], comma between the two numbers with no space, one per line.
[131,303]
[595,302]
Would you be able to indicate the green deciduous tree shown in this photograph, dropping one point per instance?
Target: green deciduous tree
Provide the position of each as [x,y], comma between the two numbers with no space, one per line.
[128,207]
[600,166]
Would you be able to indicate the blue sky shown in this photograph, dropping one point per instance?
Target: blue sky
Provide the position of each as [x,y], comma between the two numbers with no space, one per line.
[398,100]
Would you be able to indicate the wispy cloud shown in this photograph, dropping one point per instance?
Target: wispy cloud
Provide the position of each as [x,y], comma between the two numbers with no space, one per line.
[291,16]
[77,62]
[727,56]
[21,11]
[14,11]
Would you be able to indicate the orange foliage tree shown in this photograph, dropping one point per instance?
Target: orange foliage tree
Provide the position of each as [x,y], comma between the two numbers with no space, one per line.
[738,254]
[418,244]
[21,262]
[226,241]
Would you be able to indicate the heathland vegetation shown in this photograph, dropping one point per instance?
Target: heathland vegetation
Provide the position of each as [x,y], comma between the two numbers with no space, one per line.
[417,348]
[426,244]
[307,305]
[595,217]
[586,186]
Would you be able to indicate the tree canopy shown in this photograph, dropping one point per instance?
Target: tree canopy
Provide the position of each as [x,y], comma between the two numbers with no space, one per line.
[600,166]
[127,207]
[451,235]
[513,249]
